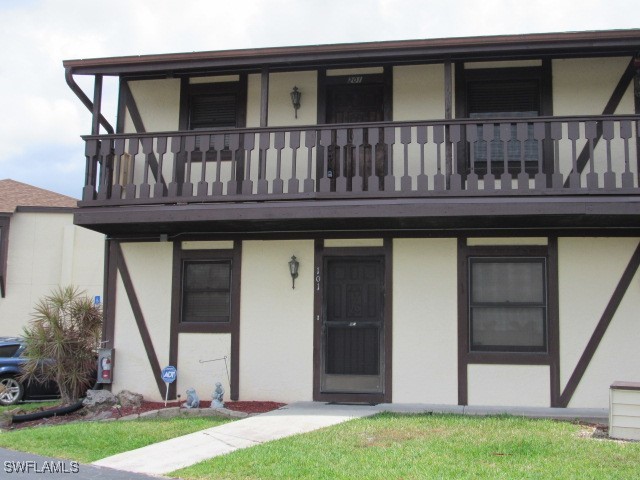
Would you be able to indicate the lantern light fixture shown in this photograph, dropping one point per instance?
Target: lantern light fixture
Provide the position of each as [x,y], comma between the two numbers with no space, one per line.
[295,99]
[293,270]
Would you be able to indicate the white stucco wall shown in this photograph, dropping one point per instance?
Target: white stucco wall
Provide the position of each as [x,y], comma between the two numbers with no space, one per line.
[425,321]
[509,385]
[276,322]
[46,251]
[150,267]
[195,368]
[589,271]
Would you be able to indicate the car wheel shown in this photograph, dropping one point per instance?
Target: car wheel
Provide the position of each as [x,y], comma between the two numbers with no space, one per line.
[11,390]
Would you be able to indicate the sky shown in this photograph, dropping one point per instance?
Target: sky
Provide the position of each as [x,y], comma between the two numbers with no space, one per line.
[42,122]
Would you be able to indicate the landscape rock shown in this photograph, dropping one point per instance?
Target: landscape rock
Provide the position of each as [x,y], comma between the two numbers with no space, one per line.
[128,399]
[98,401]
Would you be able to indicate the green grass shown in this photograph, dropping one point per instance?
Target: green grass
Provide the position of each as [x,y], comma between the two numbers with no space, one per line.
[90,441]
[392,446]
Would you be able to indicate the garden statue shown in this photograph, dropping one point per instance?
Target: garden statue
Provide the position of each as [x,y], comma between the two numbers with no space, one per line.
[192,399]
[217,396]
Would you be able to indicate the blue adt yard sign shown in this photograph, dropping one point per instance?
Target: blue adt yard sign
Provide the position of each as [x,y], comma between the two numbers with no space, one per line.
[169,375]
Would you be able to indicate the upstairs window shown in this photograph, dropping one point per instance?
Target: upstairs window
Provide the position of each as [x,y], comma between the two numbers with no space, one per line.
[504,93]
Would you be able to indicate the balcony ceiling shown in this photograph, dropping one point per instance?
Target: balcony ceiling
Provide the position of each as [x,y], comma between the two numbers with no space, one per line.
[570,44]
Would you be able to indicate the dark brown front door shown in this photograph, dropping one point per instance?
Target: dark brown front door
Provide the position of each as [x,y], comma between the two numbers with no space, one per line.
[353,326]
[356,103]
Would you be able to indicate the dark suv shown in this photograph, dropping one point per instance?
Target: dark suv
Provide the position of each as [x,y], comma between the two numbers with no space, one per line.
[11,389]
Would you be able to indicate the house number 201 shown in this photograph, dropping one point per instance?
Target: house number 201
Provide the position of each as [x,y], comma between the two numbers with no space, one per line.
[318,279]
[354,79]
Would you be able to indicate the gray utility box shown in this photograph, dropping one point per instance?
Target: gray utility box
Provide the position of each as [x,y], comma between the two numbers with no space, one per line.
[624,410]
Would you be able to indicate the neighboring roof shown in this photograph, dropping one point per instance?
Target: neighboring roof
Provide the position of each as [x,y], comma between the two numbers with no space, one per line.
[16,194]
[603,42]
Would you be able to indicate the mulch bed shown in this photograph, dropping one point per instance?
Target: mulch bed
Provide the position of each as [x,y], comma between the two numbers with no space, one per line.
[247,407]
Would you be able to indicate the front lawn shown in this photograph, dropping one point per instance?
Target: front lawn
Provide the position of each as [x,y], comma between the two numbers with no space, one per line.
[90,441]
[391,446]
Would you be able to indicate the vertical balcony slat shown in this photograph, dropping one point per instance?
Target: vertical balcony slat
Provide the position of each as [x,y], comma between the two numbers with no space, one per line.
[147,150]
[265,141]
[591,133]
[325,142]
[293,186]
[130,189]
[472,177]
[625,134]
[389,141]
[202,189]
[406,183]
[373,181]
[160,189]
[341,151]
[573,129]
[176,150]
[422,137]
[218,147]
[438,139]
[91,154]
[542,179]
[106,158]
[310,141]
[608,135]
[189,147]
[249,145]
[506,178]
[557,179]
[237,144]
[522,135]
[455,181]
[358,147]
[278,144]
[118,151]
[488,135]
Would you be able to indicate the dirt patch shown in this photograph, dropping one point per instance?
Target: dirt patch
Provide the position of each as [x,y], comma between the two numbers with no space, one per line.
[80,415]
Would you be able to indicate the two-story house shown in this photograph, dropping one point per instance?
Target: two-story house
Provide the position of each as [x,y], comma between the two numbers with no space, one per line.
[464,215]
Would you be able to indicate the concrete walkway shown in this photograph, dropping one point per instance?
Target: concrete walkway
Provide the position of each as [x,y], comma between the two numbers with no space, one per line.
[187,450]
[301,417]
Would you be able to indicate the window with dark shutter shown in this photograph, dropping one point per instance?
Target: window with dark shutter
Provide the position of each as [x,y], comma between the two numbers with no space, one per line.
[208,111]
[504,93]
[206,291]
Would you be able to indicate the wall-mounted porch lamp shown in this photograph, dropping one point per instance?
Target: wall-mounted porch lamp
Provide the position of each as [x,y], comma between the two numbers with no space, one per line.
[293,269]
[295,99]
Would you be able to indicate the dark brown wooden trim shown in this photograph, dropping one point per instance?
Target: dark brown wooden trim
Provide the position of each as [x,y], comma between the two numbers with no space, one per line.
[463,322]
[551,357]
[553,320]
[235,319]
[616,97]
[322,96]
[318,285]
[388,320]
[264,97]
[122,105]
[176,286]
[97,105]
[243,85]
[232,327]
[636,103]
[183,119]
[4,253]
[387,74]
[139,317]
[321,253]
[109,294]
[42,209]
[601,328]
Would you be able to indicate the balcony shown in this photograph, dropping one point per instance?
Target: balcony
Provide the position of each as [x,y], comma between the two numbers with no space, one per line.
[581,165]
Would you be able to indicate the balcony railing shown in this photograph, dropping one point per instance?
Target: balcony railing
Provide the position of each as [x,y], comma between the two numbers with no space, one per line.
[504,156]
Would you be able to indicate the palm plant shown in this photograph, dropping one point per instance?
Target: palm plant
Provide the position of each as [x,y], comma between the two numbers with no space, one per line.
[61,342]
